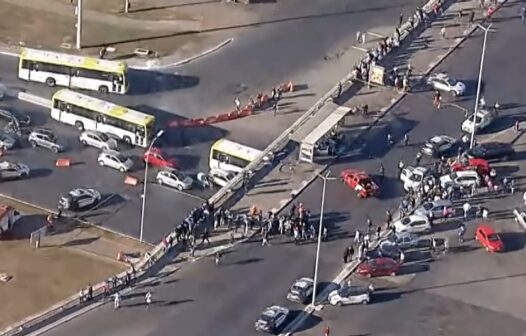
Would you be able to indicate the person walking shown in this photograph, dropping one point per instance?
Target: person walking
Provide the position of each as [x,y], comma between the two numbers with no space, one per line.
[523,14]
[148,298]
[378,232]
[390,141]
[418,158]
[516,126]
[357,236]
[237,102]
[116,301]
[471,18]
[264,239]
[205,237]
[400,167]
[389,217]
[382,173]
[400,20]
[275,108]
[461,233]
[466,207]
[443,32]
[369,225]
[437,99]
[406,139]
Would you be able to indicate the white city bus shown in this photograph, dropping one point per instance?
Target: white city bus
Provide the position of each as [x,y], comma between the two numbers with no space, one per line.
[88,113]
[73,71]
[231,156]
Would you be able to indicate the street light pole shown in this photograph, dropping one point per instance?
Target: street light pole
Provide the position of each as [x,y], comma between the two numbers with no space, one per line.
[78,10]
[145,183]
[325,178]
[486,31]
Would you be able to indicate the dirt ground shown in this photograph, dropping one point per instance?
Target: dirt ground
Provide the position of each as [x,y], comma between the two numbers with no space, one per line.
[65,263]
[24,24]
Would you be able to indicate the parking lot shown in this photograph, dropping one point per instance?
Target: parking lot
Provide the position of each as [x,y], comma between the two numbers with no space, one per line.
[65,262]
[120,210]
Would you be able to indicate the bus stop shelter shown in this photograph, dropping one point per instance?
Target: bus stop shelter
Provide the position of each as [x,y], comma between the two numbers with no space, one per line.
[314,130]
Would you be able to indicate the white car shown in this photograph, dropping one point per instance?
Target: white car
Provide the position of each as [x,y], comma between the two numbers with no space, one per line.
[413,224]
[403,240]
[442,82]
[13,170]
[350,295]
[220,177]
[271,319]
[98,140]
[413,177]
[301,290]
[43,137]
[464,178]
[483,119]
[115,160]
[175,179]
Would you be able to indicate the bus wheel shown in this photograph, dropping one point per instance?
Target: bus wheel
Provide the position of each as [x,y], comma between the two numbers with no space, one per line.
[128,141]
[79,125]
[103,89]
[50,82]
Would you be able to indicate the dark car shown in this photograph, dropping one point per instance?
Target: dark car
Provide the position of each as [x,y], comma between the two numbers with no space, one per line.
[22,120]
[79,198]
[491,151]
[301,290]
[271,319]
[440,145]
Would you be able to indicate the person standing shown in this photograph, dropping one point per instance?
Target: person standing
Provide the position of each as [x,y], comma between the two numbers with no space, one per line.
[382,173]
[390,141]
[378,231]
[116,301]
[237,102]
[400,20]
[389,217]
[406,139]
[471,18]
[264,240]
[437,99]
[357,236]
[275,108]
[148,298]
[205,237]
[369,225]
[466,207]
[443,32]
[418,158]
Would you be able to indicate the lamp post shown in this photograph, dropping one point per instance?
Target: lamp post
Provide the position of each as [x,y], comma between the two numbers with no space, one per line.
[78,11]
[325,178]
[486,31]
[145,182]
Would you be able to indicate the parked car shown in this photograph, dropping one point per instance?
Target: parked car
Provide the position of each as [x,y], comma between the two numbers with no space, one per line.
[491,151]
[13,170]
[465,178]
[378,267]
[42,137]
[483,119]
[440,145]
[442,82]
[404,240]
[115,160]
[360,182]
[413,224]
[413,177]
[434,209]
[301,290]
[272,319]
[79,199]
[488,238]
[175,179]
[156,158]
[221,177]
[98,140]
[387,250]
[350,295]
[20,119]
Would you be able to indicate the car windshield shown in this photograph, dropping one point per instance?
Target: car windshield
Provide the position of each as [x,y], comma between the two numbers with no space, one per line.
[266,318]
[104,137]
[296,289]
[478,120]
[451,81]
[181,176]
[121,157]
[428,206]
[477,151]
[493,237]
[406,220]
[415,177]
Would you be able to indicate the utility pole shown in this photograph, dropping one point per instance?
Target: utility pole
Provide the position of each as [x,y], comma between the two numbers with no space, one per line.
[78,11]
[325,178]
[126,6]
[479,84]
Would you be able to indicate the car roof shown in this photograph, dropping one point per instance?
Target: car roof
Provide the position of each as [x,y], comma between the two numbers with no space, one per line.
[111,152]
[43,131]
[274,310]
[486,229]
[466,173]
[441,75]
[93,132]
[78,192]
[303,282]
[441,138]
[355,172]
[439,202]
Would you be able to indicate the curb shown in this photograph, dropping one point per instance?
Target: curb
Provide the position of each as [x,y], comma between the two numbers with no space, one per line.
[156,63]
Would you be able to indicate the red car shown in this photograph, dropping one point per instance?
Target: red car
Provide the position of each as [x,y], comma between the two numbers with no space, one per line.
[156,158]
[378,267]
[481,166]
[489,239]
[360,182]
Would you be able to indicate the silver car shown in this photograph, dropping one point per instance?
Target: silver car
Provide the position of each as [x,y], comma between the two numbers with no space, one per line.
[13,170]
[115,160]
[98,140]
[434,209]
[7,141]
[42,137]
[175,179]
[404,240]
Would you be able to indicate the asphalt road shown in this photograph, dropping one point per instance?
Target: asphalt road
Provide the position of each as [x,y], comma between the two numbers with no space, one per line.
[254,277]
[289,44]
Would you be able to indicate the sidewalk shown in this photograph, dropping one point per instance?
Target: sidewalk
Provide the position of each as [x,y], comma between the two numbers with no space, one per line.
[423,52]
